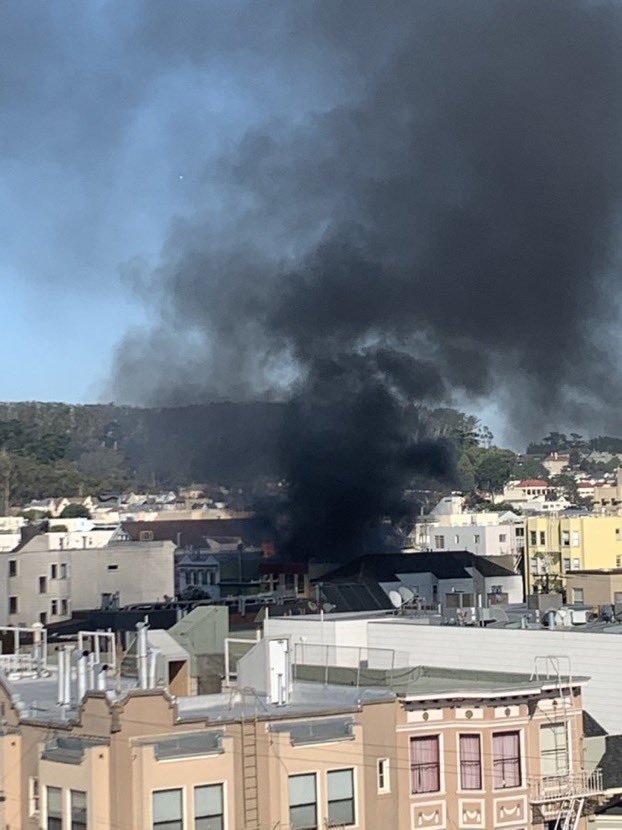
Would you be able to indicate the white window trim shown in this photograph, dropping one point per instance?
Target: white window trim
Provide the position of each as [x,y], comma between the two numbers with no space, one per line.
[184,803]
[225,802]
[386,786]
[354,795]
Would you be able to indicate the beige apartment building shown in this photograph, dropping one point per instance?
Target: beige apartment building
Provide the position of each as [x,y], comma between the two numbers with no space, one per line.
[413,748]
[595,587]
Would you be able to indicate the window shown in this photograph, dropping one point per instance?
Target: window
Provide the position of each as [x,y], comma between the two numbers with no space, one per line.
[33,796]
[384,776]
[54,571]
[439,542]
[617,598]
[340,797]
[54,808]
[43,618]
[78,810]
[577,595]
[13,605]
[12,567]
[456,539]
[576,564]
[208,808]
[43,584]
[520,531]
[302,802]
[576,539]
[506,759]
[425,765]
[470,762]
[113,567]
[145,536]
[63,570]
[542,537]
[618,561]
[64,607]
[554,749]
[167,810]
[618,533]
[533,538]
[476,538]
[567,564]
[54,607]
[502,537]
[565,538]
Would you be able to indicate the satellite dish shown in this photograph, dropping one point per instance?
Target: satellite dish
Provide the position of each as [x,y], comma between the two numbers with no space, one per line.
[406,594]
[396,599]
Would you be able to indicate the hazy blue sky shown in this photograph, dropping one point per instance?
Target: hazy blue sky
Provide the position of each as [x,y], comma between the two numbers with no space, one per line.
[114,116]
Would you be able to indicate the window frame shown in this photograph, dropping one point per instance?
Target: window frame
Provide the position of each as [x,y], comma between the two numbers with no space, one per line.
[78,825]
[12,568]
[34,796]
[313,774]
[351,799]
[223,800]
[557,752]
[182,820]
[55,818]
[439,776]
[462,762]
[383,775]
[518,760]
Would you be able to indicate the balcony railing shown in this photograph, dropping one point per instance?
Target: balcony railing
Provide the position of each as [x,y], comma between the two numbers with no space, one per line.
[550,788]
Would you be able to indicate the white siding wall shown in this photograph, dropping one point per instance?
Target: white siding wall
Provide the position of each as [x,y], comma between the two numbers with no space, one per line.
[594,655]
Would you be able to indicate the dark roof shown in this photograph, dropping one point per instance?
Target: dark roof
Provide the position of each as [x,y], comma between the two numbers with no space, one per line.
[384,567]
[591,727]
[193,532]
[345,596]
[612,808]
[611,762]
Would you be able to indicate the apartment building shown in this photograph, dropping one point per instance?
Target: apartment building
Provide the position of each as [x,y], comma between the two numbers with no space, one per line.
[56,573]
[418,748]
[595,587]
[557,545]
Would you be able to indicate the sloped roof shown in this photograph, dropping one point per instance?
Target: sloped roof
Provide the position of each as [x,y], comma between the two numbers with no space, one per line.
[194,532]
[347,596]
[384,567]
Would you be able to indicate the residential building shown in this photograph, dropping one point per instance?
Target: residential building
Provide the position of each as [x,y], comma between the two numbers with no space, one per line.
[607,498]
[433,577]
[55,574]
[556,462]
[595,587]
[284,748]
[592,651]
[518,492]
[556,545]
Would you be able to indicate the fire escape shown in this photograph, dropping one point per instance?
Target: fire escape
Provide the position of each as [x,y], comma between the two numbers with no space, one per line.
[559,801]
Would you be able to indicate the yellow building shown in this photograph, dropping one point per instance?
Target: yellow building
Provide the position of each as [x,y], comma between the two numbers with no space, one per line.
[555,545]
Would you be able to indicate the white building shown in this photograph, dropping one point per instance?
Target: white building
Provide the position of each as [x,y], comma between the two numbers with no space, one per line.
[406,641]
[450,527]
[54,574]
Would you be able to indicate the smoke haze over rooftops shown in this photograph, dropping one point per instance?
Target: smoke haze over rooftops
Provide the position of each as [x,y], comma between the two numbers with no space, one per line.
[384,204]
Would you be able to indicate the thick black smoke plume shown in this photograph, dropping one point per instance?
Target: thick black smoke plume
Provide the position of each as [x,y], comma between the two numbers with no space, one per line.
[444,225]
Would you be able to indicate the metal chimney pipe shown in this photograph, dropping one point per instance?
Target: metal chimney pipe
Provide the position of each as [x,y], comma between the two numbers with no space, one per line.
[91,671]
[61,677]
[101,677]
[67,691]
[82,687]
[153,657]
[142,655]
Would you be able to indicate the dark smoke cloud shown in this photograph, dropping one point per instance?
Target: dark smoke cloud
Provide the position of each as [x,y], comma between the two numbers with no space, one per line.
[450,224]
[406,202]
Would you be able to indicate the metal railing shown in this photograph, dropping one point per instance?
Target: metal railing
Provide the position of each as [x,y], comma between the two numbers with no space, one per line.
[550,788]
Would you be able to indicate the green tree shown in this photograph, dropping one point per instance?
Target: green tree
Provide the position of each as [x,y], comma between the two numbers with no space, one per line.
[75,511]
[493,469]
[465,473]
